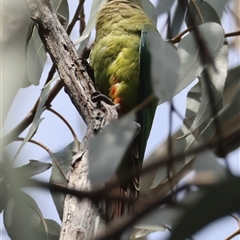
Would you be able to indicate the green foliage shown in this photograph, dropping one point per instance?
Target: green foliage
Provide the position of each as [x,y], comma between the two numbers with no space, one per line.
[17,205]
[209,131]
[112,141]
[60,168]
[23,219]
[205,208]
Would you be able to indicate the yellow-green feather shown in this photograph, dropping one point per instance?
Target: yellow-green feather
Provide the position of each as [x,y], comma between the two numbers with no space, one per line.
[115,54]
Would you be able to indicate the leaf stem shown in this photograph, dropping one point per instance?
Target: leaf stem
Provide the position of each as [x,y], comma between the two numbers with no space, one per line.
[49,152]
[66,122]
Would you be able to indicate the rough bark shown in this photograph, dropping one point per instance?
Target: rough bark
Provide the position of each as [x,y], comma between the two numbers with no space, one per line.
[79,214]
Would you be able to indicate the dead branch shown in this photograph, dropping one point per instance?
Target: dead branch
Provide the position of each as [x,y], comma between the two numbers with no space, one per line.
[79,215]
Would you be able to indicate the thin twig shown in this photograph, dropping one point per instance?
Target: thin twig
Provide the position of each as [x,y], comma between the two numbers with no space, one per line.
[180,35]
[236,218]
[82,21]
[66,122]
[237,232]
[234,234]
[93,195]
[48,151]
[75,17]
[232,34]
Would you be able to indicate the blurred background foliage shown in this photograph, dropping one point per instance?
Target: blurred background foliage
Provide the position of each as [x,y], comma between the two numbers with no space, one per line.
[191,176]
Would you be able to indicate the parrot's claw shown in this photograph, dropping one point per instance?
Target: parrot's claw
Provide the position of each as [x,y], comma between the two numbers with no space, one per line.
[97,97]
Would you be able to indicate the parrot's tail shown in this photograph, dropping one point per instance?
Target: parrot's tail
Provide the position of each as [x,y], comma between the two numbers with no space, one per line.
[127,188]
[118,208]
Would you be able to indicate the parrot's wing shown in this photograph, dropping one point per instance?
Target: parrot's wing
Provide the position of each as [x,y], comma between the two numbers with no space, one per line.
[145,115]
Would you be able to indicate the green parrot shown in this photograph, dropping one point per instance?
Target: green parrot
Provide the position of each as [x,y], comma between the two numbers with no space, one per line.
[117,58]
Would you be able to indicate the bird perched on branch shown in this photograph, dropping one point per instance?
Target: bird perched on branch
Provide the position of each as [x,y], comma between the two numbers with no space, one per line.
[121,65]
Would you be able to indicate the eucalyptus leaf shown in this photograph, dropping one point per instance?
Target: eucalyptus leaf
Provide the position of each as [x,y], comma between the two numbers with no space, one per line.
[164,6]
[36,57]
[150,227]
[150,11]
[160,176]
[169,215]
[141,231]
[205,209]
[232,109]
[107,149]
[61,6]
[34,167]
[202,12]
[21,206]
[232,85]
[200,205]
[161,217]
[178,19]
[164,66]
[83,44]
[96,5]
[180,144]
[193,103]
[188,51]
[217,83]
[64,159]
[36,120]
[50,230]
[207,161]
[163,172]
[144,230]
[219,6]
[160,153]
[199,108]
[229,117]
[204,111]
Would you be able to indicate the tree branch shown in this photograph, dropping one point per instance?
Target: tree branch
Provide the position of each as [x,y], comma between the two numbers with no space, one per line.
[79,215]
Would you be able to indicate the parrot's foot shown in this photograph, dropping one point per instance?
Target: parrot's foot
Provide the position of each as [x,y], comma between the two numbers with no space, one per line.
[97,97]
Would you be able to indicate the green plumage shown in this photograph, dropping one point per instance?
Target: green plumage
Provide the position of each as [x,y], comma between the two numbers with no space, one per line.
[115,54]
[115,59]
